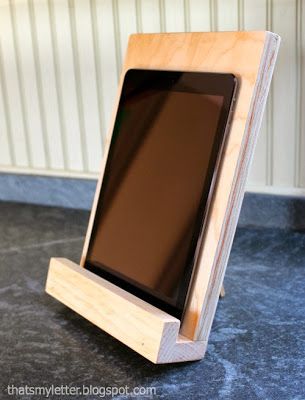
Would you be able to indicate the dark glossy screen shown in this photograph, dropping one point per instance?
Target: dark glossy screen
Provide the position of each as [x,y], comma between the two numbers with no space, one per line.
[167,136]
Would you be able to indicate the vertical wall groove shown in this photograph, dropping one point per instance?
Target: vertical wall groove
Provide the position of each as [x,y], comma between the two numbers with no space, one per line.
[213,15]
[64,142]
[116,26]
[7,111]
[241,15]
[139,16]
[97,62]
[20,84]
[187,19]
[78,87]
[162,16]
[39,83]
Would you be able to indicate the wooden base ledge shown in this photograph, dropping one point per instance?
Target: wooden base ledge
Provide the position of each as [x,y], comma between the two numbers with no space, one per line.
[149,331]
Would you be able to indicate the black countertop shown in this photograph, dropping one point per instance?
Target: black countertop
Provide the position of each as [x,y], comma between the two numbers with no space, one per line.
[257,344]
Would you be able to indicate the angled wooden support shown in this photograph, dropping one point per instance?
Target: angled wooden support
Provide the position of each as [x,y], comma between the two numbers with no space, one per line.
[161,338]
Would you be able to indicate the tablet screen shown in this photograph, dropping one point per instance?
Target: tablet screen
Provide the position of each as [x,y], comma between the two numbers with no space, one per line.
[168,133]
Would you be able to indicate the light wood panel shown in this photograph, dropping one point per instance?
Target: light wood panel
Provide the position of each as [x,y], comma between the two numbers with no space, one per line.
[251,57]
[144,328]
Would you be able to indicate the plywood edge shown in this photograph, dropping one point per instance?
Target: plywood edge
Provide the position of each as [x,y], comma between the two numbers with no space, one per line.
[151,332]
[254,119]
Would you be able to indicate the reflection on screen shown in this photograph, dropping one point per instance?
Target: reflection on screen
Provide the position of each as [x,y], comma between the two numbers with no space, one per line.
[153,188]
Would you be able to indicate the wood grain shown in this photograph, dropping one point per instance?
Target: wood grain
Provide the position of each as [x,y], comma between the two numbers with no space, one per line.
[144,328]
[251,57]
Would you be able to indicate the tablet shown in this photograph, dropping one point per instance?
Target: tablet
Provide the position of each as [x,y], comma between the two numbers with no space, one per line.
[158,182]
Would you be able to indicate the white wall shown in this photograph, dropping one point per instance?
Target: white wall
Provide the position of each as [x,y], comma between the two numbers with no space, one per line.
[59,67]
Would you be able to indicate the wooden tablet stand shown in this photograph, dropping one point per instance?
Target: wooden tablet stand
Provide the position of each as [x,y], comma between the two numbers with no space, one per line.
[151,332]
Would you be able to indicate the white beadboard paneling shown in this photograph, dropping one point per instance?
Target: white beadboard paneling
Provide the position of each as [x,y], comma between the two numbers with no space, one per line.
[127,19]
[117,36]
[49,102]
[60,61]
[255,18]
[106,57]
[9,74]
[5,149]
[88,83]
[200,15]
[174,15]
[255,14]
[150,16]
[227,15]
[284,91]
[27,76]
[66,84]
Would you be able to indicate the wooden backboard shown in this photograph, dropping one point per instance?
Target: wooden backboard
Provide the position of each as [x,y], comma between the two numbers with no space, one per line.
[251,57]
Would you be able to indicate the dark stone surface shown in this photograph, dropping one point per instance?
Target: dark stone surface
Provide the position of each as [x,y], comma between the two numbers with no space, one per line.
[257,344]
[270,211]
[47,190]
